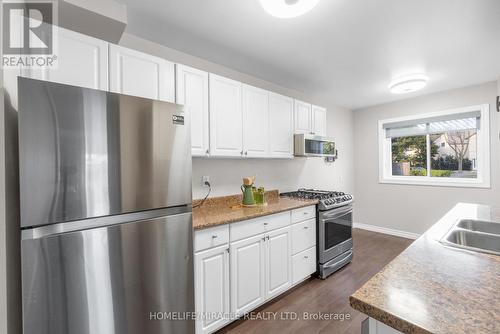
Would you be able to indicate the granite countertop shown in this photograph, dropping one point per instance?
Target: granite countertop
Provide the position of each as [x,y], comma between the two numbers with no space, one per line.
[223,210]
[432,288]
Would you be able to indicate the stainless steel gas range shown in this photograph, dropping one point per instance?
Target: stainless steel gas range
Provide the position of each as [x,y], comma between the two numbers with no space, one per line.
[334,228]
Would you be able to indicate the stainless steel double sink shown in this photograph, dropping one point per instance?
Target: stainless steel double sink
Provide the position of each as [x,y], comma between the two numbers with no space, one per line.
[474,235]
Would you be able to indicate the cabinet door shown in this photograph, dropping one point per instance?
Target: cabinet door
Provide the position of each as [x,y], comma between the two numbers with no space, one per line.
[319,121]
[192,92]
[211,287]
[278,262]
[255,122]
[247,274]
[304,264]
[280,126]
[139,74]
[303,235]
[302,117]
[81,61]
[225,117]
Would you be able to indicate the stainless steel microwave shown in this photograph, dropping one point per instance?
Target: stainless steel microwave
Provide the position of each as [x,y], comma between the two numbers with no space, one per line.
[313,146]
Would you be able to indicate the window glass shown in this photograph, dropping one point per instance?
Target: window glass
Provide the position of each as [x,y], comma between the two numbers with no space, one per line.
[409,156]
[445,148]
[454,154]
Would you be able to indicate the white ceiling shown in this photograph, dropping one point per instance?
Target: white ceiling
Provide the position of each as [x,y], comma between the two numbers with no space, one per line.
[346,50]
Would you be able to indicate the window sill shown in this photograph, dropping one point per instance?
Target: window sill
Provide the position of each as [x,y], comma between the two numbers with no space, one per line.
[436,182]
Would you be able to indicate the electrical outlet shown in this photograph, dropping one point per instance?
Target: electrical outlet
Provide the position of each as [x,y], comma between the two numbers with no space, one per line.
[205,179]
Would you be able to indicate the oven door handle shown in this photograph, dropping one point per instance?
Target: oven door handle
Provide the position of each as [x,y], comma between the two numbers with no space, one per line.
[336,213]
[345,258]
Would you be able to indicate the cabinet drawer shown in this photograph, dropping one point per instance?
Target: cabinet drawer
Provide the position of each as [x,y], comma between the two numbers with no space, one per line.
[259,225]
[299,215]
[211,237]
[303,235]
[303,264]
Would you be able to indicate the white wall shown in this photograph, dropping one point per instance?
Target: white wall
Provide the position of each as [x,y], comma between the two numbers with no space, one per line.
[226,174]
[415,208]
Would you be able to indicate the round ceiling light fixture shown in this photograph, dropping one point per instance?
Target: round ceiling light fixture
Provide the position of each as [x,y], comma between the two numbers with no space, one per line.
[288,8]
[408,84]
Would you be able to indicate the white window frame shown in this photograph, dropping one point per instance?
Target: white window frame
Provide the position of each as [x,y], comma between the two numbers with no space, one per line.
[483,153]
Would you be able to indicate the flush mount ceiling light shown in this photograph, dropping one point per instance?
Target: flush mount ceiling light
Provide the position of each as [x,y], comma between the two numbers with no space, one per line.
[288,8]
[408,84]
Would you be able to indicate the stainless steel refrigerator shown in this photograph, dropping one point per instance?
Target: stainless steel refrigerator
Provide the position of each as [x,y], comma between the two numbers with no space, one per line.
[105,202]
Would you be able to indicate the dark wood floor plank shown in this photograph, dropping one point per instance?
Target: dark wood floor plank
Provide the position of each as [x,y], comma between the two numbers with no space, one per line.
[372,251]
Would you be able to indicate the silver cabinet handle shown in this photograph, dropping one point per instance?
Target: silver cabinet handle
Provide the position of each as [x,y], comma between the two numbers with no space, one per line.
[265,224]
[207,152]
[306,257]
[214,237]
[306,227]
[246,152]
[227,250]
[264,239]
[267,237]
[241,152]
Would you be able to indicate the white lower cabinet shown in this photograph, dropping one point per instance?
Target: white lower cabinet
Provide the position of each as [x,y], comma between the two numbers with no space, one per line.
[278,262]
[260,269]
[247,274]
[303,235]
[304,264]
[251,262]
[372,326]
[212,288]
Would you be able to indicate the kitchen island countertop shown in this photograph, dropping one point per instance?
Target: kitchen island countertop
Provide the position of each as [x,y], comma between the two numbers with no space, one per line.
[433,288]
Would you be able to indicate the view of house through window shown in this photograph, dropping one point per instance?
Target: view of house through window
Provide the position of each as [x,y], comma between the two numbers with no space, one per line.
[456,154]
[451,154]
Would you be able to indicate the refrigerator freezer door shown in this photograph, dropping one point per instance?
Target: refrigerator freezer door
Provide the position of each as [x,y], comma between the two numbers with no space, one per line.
[121,279]
[87,153]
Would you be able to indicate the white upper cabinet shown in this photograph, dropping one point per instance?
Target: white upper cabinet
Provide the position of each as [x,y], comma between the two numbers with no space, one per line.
[226,120]
[303,119]
[318,121]
[255,122]
[310,119]
[280,126]
[192,92]
[81,61]
[135,73]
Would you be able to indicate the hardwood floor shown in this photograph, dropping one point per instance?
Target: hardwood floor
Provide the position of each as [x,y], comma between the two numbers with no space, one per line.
[372,251]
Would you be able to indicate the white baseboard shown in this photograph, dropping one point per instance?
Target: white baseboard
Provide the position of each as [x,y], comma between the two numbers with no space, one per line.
[385,230]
